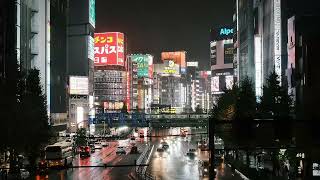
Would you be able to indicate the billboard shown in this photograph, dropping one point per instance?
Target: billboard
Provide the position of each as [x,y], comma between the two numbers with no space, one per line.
[144,64]
[221,33]
[213,53]
[229,82]
[170,68]
[109,49]
[228,53]
[110,105]
[215,84]
[277,37]
[193,64]
[178,57]
[90,48]
[92,12]
[78,85]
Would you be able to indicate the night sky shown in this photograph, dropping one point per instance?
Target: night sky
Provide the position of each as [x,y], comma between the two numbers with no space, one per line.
[153,26]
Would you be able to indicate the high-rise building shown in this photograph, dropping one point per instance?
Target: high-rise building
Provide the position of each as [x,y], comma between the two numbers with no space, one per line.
[303,77]
[80,66]
[169,86]
[222,59]
[58,61]
[193,86]
[139,82]
[205,97]
[261,40]
[109,72]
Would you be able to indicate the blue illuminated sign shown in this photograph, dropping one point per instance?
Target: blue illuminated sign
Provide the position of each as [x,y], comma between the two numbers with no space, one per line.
[225,31]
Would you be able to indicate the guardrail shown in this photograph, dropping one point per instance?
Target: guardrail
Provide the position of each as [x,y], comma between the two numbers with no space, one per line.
[142,171]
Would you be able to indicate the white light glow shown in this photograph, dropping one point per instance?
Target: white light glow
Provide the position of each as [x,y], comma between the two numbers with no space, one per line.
[80,112]
[258,66]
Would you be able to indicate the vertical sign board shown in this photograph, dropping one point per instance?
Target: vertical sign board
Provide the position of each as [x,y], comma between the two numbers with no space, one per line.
[92,12]
[109,49]
[258,65]
[277,37]
[90,48]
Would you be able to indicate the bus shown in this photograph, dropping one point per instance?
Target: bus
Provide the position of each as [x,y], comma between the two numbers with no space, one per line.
[59,154]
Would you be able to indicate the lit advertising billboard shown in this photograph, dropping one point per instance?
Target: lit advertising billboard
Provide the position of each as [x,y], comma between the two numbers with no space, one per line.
[170,68]
[277,37]
[193,64]
[144,63]
[113,105]
[92,12]
[229,82]
[228,53]
[78,85]
[221,33]
[178,57]
[215,84]
[109,49]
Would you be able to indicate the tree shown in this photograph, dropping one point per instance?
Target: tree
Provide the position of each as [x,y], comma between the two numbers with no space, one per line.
[32,122]
[81,139]
[246,101]
[275,102]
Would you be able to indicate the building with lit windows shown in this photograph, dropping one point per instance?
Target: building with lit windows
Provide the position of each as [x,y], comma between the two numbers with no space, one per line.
[110,76]
[222,57]
[80,64]
[139,82]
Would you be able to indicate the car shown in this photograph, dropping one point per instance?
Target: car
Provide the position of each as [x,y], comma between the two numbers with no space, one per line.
[203,168]
[104,143]
[42,167]
[191,155]
[121,150]
[24,174]
[92,148]
[84,151]
[164,145]
[193,151]
[97,145]
[134,150]
[160,152]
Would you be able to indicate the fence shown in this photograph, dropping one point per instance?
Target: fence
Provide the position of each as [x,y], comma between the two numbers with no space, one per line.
[144,157]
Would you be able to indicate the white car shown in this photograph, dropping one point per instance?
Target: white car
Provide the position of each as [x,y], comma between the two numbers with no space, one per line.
[24,174]
[104,143]
[97,145]
[120,150]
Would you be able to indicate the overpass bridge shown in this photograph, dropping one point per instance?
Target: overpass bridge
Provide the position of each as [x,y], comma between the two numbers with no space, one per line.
[153,120]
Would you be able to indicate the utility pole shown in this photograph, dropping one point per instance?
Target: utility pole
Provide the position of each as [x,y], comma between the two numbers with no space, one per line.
[211,127]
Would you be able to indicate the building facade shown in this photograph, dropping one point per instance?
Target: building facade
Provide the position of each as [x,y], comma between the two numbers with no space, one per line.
[261,40]
[80,64]
[303,78]
[222,60]
[139,82]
